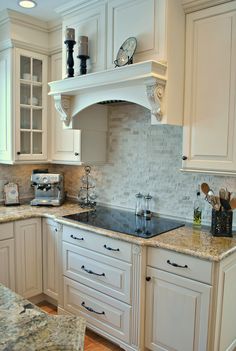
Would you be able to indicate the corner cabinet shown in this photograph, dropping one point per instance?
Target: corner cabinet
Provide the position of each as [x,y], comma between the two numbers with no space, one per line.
[210,100]
[23,106]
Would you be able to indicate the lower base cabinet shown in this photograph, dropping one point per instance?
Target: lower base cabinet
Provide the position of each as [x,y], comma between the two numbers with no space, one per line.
[177,311]
[51,238]
[28,241]
[100,310]
[7,263]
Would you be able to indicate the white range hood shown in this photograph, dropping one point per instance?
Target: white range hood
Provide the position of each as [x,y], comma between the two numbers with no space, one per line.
[141,83]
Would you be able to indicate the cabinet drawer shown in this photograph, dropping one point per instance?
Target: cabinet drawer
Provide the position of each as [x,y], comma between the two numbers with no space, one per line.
[100,272]
[107,246]
[6,231]
[191,267]
[99,310]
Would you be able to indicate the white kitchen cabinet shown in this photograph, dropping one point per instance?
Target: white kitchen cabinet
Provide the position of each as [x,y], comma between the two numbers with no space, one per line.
[51,257]
[7,255]
[177,311]
[210,114]
[65,146]
[73,146]
[28,242]
[23,106]
[103,281]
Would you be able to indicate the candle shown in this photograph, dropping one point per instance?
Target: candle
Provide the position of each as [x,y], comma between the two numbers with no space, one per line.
[83,46]
[70,34]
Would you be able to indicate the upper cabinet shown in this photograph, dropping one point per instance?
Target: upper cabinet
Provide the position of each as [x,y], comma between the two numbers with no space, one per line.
[23,88]
[71,146]
[210,100]
[158,26]
[30,105]
[23,105]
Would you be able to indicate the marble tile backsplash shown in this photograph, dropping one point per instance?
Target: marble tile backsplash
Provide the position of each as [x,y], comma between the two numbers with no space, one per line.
[141,157]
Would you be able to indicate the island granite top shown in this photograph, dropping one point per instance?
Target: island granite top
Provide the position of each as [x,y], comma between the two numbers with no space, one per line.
[23,326]
[187,240]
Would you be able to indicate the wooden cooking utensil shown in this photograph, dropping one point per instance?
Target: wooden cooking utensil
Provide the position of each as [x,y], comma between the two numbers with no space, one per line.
[205,188]
[233,203]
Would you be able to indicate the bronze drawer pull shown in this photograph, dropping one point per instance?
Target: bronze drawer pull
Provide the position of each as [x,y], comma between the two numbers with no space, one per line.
[110,248]
[176,265]
[90,309]
[75,237]
[91,272]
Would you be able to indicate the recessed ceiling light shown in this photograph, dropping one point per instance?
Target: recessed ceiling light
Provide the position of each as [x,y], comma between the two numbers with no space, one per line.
[27,4]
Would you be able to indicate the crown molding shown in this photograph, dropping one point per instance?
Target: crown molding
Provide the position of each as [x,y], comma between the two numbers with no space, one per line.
[195,5]
[75,5]
[22,19]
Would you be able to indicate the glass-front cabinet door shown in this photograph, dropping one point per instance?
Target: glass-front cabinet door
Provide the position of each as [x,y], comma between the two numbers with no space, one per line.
[31,106]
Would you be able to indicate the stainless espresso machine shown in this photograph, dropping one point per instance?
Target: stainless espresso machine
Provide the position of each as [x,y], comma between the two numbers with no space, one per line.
[48,187]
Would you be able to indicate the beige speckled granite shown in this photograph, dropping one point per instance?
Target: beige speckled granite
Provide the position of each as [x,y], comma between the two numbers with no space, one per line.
[23,326]
[185,239]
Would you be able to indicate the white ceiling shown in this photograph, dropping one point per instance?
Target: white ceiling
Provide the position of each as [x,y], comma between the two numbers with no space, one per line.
[45,9]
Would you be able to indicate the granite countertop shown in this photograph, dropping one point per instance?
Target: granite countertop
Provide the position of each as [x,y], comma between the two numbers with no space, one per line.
[187,240]
[23,326]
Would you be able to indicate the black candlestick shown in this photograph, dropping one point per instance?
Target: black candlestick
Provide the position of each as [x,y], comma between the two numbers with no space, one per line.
[83,66]
[70,61]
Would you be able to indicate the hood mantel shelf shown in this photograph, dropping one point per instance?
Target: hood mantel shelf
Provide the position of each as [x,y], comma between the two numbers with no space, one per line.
[141,83]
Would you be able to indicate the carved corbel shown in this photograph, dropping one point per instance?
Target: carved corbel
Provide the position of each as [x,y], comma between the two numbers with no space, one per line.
[155,93]
[63,106]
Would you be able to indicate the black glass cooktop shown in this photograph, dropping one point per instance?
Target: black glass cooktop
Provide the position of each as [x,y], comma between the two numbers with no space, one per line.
[125,222]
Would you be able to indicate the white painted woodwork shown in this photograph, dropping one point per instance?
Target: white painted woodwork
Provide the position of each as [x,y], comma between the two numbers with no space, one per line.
[110,276]
[10,108]
[176,312]
[209,117]
[27,32]
[88,22]
[141,83]
[6,110]
[194,5]
[158,26]
[6,230]
[28,243]
[143,19]
[65,142]
[225,335]
[73,146]
[121,250]
[116,317]
[7,263]
[17,90]
[51,258]
[196,269]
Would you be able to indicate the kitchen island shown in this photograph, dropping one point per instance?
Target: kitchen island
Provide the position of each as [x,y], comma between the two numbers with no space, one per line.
[23,326]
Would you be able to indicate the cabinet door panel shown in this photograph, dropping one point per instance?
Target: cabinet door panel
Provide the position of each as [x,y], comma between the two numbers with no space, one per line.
[50,258]
[88,22]
[176,313]
[209,122]
[143,19]
[65,142]
[7,271]
[28,257]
